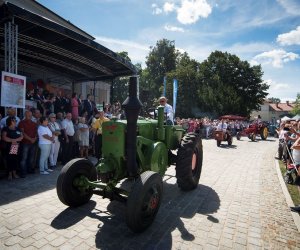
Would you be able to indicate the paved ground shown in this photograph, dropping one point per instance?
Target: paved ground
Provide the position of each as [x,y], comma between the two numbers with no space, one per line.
[239,204]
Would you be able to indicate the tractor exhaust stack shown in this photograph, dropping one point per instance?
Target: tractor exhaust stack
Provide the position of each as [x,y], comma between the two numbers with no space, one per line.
[132,106]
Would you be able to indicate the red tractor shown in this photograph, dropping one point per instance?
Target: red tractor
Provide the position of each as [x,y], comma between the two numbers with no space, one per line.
[253,130]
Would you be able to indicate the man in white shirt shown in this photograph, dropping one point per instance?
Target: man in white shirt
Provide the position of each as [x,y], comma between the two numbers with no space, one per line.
[222,126]
[11,112]
[67,145]
[168,110]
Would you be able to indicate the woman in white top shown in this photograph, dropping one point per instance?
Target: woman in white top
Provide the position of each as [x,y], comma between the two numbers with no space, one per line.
[56,131]
[45,142]
[83,130]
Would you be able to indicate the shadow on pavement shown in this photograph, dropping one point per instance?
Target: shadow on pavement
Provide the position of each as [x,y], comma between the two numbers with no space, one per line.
[176,206]
[25,187]
[228,146]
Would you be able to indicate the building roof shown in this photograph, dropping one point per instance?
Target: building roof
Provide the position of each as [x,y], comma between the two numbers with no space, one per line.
[283,107]
[60,46]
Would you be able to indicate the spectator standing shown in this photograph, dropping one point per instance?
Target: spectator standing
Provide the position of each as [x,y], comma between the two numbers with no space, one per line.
[11,112]
[46,139]
[12,136]
[75,150]
[67,145]
[97,127]
[88,107]
[296,156]
[75,106]
[67,103]
[39,98]
[80,105]
[59,103]
[83,137]
[49,104]
[56,131]
[36,116]
[30,136]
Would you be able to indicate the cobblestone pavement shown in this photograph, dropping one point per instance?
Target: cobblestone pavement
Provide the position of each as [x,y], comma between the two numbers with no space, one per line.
[239,204]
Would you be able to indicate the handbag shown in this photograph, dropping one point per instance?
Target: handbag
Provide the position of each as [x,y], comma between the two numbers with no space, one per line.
[14,149]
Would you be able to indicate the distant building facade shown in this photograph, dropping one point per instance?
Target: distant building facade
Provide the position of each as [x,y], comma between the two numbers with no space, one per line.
[271,112]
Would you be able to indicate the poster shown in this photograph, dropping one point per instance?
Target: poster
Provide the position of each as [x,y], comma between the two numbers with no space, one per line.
[13,89]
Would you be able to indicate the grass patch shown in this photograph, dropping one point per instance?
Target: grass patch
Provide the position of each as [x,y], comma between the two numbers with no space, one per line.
[293,190]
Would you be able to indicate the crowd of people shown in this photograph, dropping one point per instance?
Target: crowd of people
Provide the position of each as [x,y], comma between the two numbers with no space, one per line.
[58,129]
[289,150]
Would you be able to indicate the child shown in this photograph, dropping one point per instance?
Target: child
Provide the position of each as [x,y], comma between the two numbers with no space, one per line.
[83,139]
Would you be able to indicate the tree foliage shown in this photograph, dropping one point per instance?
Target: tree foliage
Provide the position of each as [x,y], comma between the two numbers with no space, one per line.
[296,109]
[120,84]
[274,100]
[221,84]
[160,61]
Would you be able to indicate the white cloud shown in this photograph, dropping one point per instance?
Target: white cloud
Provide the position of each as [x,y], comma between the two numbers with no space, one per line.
[291,6]
[137,52]
[191,10]
[155,9]
[276,57]
[290,38]
[168,7]
[276,86]
[280,90]
[173,28]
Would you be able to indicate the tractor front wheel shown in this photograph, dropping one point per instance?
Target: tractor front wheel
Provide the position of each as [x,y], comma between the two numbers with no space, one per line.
[189,162]
[68,187]
[218,143]
[144,201]
[238,136]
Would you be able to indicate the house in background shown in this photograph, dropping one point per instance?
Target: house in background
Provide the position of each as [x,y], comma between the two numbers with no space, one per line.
[271,112]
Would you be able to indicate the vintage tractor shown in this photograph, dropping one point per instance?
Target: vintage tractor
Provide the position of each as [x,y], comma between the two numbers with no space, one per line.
[221,135]
[253,130]
[136,154]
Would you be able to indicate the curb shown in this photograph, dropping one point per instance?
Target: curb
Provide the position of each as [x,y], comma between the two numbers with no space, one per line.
[288,198]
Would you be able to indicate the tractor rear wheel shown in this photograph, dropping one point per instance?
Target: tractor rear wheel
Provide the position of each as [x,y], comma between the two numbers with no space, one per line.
[144,201]
[68,192]
[264,133]
[189,162]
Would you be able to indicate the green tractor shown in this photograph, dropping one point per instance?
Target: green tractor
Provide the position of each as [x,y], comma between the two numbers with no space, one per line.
[136,154]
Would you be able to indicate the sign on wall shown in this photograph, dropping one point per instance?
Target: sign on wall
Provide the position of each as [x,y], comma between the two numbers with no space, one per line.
[13,89]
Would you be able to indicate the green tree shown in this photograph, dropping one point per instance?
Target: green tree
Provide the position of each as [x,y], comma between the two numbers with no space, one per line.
[230,85]
[119,87]
[186,75]
[160,61]
[296,109]
[274,100]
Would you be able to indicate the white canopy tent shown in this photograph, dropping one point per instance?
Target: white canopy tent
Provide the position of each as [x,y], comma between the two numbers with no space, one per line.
[285,118]
[296,117]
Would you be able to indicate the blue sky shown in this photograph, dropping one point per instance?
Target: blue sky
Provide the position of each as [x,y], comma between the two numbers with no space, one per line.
[265,32]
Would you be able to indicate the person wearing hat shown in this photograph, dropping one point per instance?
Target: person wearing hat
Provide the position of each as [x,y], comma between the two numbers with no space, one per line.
[168,109]
[56,131]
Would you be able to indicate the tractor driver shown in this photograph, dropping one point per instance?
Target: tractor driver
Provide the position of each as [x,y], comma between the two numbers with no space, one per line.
[224,127]
[168,109]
